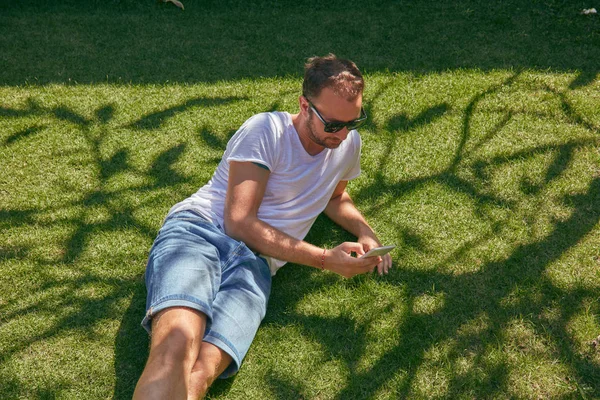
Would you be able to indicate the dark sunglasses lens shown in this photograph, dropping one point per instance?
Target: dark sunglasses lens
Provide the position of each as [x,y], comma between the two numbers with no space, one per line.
[333,127]
[356,124]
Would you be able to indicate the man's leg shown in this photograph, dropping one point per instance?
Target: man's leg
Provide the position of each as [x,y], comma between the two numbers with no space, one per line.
[174,349]
[211,363]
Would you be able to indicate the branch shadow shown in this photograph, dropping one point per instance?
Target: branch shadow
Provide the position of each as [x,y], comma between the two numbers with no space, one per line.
[31,56]
[156,119]
[68,292]
[467,296]
[474,294]
[28,132]
[80,217]
[401,123]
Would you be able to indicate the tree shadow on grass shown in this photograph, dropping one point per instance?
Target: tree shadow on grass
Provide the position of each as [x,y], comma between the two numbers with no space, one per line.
[467,296]
[25,133]
[131,345]
[213,141]
[64,279]
[156,119]
[501,294]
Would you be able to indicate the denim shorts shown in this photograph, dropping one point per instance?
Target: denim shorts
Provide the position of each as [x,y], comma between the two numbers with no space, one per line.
[194,264]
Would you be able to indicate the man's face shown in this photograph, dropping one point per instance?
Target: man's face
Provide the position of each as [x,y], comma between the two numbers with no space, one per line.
[332,108]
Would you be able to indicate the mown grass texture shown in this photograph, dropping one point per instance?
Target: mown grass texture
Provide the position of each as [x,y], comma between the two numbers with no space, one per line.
[481,162]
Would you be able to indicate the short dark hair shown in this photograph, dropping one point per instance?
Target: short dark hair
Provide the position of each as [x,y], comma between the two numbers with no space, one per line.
[341,75]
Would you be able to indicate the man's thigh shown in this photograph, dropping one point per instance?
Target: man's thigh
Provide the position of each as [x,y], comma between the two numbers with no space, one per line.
[184,269]
[193,264]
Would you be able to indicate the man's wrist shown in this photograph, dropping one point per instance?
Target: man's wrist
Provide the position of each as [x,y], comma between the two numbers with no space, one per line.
[368,234]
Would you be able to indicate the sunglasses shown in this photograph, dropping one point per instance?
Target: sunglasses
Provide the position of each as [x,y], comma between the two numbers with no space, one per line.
[333,127]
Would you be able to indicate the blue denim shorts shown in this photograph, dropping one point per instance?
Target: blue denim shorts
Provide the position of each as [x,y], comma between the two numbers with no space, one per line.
[194,264]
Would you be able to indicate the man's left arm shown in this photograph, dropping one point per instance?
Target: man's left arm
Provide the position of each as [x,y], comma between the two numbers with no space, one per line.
[342,211]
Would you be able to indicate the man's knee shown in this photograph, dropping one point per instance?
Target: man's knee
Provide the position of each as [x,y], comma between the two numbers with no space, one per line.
[178,345]
[177,335]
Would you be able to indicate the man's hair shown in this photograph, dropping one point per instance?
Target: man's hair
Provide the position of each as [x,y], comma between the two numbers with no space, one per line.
[340,75]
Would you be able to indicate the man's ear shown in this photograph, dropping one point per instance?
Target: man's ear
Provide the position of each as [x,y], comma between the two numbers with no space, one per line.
[303,102]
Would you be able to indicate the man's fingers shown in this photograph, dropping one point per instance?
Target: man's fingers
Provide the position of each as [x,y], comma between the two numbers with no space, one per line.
[384,266]
[370,263]
[352,247]
[358,265]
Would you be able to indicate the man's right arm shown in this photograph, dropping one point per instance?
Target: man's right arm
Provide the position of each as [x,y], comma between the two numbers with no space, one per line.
[245,191]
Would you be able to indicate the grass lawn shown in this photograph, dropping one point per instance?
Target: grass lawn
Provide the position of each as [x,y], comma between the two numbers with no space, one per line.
[481,161]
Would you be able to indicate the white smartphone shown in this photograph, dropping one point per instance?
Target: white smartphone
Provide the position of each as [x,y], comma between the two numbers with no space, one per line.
[378,251]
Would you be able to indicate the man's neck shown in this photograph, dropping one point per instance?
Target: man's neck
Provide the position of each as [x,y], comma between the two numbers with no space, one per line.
[309,146]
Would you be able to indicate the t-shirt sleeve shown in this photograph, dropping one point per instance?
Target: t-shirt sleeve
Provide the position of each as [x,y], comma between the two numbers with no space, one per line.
[255,141]
[353,170]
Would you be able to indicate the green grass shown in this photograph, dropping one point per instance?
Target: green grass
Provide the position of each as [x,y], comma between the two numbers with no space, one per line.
[481,160]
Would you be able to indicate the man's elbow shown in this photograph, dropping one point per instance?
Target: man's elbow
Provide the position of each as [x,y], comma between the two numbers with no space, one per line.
[235,226]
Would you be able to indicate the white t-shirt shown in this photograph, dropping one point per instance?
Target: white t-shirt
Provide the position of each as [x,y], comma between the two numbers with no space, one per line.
[299,185]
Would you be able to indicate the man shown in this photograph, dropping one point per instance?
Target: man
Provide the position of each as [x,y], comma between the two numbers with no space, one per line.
[209,271]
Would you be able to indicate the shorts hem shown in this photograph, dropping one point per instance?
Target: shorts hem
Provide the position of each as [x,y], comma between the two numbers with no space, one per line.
[224,344]
[175,301]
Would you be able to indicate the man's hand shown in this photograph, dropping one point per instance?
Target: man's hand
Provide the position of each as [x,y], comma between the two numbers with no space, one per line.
[342,211]
[340,260]
[385,262]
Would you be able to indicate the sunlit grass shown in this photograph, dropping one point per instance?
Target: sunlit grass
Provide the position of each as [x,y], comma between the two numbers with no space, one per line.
[481,161]
[481,185]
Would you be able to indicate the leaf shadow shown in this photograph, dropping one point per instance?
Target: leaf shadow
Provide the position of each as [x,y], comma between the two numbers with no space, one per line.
[402,123]
[25,133]
[156,119]
[214,141]
[67,293]
[584,78]
[162,168]
[467,296]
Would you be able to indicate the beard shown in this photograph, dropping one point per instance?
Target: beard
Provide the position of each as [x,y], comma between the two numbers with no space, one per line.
[329,142]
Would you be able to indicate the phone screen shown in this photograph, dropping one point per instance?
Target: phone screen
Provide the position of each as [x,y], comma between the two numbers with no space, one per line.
[378,251]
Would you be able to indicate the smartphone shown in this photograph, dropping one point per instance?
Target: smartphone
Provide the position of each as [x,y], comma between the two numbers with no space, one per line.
[378,251]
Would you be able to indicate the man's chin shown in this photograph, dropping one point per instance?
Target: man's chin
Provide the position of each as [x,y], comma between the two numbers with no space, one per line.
[333,144]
